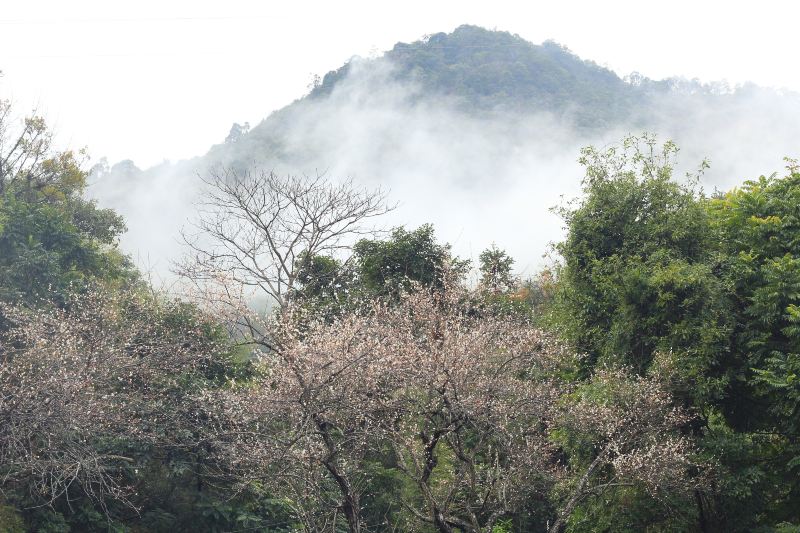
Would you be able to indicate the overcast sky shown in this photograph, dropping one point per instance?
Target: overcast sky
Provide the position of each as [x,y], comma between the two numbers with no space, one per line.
[153,80]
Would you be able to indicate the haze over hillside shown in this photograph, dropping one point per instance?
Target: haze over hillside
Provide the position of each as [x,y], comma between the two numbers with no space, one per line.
[475,131]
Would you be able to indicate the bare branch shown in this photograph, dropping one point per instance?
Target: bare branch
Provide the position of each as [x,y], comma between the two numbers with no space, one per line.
[254,227]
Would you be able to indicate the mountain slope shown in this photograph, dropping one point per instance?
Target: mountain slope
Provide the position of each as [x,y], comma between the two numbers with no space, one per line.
[480,73]
[489,69]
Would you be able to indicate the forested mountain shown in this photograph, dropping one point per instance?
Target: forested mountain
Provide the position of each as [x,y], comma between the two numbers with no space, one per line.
[489,75]
[476,116]
[479,72]
[486,69]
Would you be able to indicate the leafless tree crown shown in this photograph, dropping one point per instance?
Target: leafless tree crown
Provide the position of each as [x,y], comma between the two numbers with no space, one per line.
[254,227]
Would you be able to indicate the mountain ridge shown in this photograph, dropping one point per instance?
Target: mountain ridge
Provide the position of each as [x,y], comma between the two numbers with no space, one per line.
[490,73]
[485,73]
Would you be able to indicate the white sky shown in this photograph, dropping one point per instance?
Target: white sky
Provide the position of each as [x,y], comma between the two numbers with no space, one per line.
[153,80]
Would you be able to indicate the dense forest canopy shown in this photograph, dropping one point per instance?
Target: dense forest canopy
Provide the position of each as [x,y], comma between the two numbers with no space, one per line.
[313,370]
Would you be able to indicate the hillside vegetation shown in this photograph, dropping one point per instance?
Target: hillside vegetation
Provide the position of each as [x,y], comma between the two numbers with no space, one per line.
[312,372]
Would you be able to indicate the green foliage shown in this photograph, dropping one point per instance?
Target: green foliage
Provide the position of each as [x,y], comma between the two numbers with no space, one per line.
[52,240]
[386,488]
[387,267]
[760,259]
[760,226]
[633,510]
[706,292]
[501,292]
[495,268]
[377,268]
[49,249]
[637,276]
[325,286]
[10,520]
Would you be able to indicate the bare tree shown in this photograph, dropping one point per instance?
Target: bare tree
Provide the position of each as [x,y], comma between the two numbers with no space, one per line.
[255,227]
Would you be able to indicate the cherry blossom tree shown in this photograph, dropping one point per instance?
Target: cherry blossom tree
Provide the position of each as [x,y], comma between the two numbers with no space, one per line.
[74,381]
[631,428]
[316,408]
[430,377]
[472,438]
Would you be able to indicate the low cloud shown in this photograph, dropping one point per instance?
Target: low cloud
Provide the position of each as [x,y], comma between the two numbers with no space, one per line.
[480,178]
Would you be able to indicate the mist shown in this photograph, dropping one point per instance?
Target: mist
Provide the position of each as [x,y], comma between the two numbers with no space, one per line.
[479,178]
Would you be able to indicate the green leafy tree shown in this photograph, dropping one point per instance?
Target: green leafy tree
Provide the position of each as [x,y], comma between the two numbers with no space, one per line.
[638,285]
[495,267]
[760,258]
[321,277]
[388,267]
[52,240]
[637,277]
[657,277]
[503,293]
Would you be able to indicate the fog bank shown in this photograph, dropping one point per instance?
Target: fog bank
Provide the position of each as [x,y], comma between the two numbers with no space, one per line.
[480,178]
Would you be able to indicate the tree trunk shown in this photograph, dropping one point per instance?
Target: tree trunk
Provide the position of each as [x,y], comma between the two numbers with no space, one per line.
[440,522]
[350,499]
[559,524]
